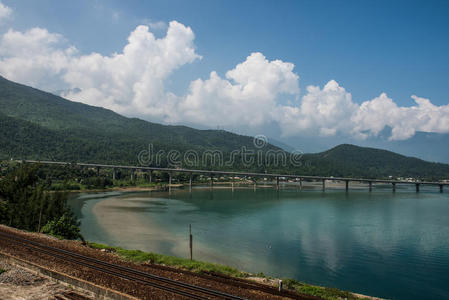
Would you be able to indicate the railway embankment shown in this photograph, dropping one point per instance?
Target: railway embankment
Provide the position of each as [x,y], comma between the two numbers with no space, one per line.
[108,271]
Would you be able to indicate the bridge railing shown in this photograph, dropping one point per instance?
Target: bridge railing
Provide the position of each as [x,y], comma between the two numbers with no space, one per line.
[170,171]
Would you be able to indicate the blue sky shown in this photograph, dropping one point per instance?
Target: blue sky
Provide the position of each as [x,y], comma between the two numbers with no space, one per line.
[398,47]
[353,51]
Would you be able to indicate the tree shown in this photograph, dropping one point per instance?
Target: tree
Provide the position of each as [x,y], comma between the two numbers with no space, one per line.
[66,227]
[25,203]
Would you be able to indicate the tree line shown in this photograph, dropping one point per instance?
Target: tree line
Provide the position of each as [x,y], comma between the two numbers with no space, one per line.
[27,203]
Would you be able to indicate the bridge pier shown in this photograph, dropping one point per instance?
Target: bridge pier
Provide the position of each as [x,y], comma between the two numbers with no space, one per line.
[255,184]
[370,186]
[96,169]
[150,176]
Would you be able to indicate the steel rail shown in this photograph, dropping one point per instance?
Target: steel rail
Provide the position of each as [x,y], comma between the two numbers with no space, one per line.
[68,255]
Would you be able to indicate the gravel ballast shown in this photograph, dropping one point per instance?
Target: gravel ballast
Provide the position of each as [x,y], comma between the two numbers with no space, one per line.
[128,287]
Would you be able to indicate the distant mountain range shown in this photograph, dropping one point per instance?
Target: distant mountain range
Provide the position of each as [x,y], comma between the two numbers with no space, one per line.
[425,145]
[354,161]
[39,125]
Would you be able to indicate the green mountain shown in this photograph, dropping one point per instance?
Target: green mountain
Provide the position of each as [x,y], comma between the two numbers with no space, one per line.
[39,125]
[353,161]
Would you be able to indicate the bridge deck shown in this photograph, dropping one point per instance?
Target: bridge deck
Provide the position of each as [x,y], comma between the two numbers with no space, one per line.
[237,173]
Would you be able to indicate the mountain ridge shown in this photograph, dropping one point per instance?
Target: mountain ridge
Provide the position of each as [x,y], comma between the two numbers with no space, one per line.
[39,125]
[356,160]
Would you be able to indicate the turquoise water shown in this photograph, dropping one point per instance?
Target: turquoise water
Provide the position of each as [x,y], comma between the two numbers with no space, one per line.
[393,245]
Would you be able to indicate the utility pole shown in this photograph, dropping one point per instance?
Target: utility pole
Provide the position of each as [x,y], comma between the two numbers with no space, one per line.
[191,242]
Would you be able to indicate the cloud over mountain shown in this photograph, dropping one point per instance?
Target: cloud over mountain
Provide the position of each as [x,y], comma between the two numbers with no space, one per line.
[247,96]
[252,94]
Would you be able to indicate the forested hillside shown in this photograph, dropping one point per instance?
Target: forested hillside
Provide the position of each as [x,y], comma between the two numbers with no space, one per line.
[354,161]
[39,125]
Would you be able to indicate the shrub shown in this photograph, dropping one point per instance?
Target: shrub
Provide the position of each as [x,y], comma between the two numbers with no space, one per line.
[66,227]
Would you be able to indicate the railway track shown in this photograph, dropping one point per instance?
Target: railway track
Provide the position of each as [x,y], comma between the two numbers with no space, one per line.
[244,284]
[166,284]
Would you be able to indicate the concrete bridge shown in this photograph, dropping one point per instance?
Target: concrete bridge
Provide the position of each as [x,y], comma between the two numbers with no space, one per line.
[211,173]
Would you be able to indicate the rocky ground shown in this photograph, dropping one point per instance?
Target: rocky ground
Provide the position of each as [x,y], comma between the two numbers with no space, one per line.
[20,284]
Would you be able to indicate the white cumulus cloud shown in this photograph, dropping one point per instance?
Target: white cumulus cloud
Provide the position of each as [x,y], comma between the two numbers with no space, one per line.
[5,11]
[374,115]
[247,95]
[330,110]
[133,81]
[130,82]
[321,111]
[35,57]
[251,95]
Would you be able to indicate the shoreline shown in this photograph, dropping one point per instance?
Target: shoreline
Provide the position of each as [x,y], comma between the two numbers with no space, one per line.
[106,218]
[135,225]
[265,280]
[169,243]
[199,273]
[333,185]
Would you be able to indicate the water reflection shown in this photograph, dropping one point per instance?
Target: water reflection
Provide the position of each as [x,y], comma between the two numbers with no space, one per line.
[380,243]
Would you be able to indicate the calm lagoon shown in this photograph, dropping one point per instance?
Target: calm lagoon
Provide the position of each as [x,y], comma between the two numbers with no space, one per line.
[392,245]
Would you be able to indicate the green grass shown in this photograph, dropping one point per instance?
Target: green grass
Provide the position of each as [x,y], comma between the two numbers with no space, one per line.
[2,271]
[138,256]
[318,291]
